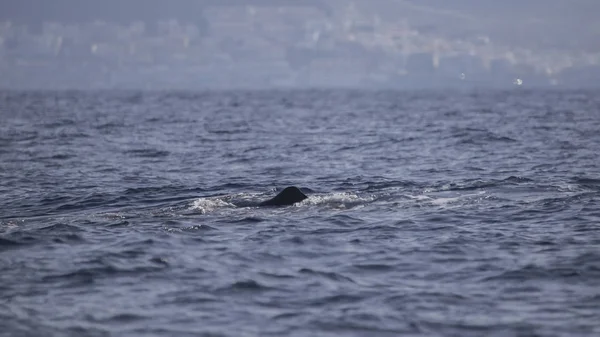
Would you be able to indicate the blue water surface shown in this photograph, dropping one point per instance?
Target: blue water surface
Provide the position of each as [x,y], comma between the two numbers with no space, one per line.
[429,213]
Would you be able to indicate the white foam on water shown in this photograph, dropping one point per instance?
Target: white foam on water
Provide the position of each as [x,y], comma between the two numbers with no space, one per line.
[449,201]
[336,200]
[206,205]
[418,197]
[115,216]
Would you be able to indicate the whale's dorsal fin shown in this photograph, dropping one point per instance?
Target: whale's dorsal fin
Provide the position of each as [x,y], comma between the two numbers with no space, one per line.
[290,195]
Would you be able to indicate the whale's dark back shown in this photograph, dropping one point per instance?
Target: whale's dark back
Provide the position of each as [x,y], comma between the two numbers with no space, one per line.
[290,195]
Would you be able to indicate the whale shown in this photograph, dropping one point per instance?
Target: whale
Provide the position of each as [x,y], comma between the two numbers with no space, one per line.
[289,196]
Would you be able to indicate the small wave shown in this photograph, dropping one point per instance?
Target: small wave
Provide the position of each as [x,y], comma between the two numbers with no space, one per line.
[481,137]
[119,224]
[92,200]
[328,275]
[6,244]
[232,131]
[142,190]
[58,156]
[110,125]
[69,136]
[345,220]
[560,203]
[250,219]
[534,272]
[477,184]
[444,201]
[9,224]
[463,186]
[245,286]
[68,238]
[196,228]
[387,184]
[420,197]
[336,299]
[515,179]
[62,156]
[121,318]
[160,261]
[19,136]
[564,187]
[80,277]
[255,148]
[374,267]
[85,276]
[113,216]
[59,123]
[288,316]
[277,276]
[161,193]
[147,153]
[587,182]
[57,233]
[51,200]
[61,227]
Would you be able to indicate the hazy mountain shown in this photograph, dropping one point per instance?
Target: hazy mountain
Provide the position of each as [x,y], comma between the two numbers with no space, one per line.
[571,24]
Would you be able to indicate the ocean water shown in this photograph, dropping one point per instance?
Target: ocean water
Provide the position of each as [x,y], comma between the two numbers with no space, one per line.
[429,213]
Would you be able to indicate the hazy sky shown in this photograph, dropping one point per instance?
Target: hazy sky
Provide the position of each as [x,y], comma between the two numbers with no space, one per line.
[570,24]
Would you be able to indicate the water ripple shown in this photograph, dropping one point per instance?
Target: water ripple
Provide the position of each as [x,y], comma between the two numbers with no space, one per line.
[429,213]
